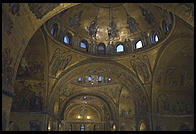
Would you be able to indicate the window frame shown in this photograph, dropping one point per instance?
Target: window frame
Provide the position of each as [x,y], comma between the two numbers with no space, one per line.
[90,77]
[82,127]
[135,44]
[84,42]
[101,51]
[120,44]
[153,37]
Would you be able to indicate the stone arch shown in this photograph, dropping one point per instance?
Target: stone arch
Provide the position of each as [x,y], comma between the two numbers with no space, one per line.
[127,77]
[167,81]
[110,104]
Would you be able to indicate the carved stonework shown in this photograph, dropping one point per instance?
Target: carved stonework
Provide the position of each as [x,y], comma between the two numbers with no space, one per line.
[74,21]
[41,9]
[59,61]
[14,8]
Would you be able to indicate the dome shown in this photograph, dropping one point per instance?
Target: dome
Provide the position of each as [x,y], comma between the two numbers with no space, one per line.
[110,29]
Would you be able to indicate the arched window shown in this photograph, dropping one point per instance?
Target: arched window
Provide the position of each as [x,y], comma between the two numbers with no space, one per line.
[66,39]
[70,127]
[80,79]
[82,45]
[119,48]
[54,29]
[138,44]
[82,127]
[84,98]
[89,78]
[142,127]
[165,27]
[154,37]
[101,48]
[99,79]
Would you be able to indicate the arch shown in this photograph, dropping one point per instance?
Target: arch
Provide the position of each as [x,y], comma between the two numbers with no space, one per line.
[126,77]
[90,78]
[70,109]
[100,78]
[137,44]
[154,37]
[68,38]
[82,127]
[119,47]
[160,77]
[54,29]
[108,101]
[165,27]
[101,48]
[142,126]
[66,6]
[84,45]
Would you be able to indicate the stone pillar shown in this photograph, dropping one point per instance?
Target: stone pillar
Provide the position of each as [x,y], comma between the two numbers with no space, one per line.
[148,87]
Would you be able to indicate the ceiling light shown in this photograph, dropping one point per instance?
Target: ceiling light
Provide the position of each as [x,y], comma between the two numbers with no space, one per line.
[88,117]
[79,117]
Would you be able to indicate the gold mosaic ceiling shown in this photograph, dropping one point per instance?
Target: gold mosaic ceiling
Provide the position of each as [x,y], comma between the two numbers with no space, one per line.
[113,23]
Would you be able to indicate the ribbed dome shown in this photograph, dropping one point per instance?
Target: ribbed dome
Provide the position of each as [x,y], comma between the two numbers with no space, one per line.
[99,28]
